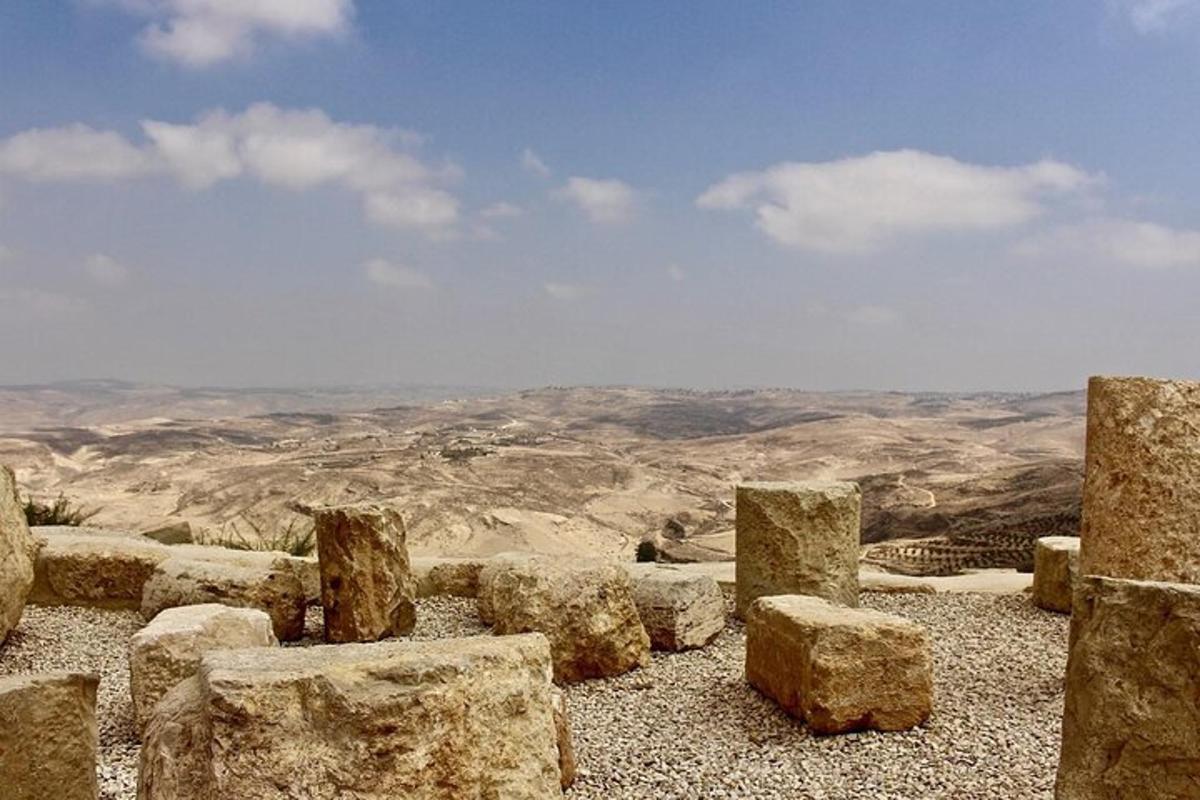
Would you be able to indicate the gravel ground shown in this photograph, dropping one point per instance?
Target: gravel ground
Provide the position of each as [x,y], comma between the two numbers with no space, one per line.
[689,726]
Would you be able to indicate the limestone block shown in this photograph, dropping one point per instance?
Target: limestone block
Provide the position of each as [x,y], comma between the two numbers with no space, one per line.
[447,577]
[487,577]
[93,567]
[17,550]
[48,737]
[1055,568]
[680,610]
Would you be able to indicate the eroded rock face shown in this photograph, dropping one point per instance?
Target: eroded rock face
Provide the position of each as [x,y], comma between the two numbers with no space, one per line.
[168,650]
[275,589]
[91,567]
[839,669]
[586,610]
[680,610]
[1055,568]
[48,737]
[1131,724]
[798,538]
[487,579]
[1141,494]
[447,577]
[437,720]
[367,588]
[16,555]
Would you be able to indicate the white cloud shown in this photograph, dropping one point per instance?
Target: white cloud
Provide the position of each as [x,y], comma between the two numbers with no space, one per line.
[1127,242]
[74,152]
[288,148]
[859,204]
[604,201]
[676,272]
[502,210]
[105,269]
[1155,16]
[565,291]
[201,33]
[23,303]
[873,316]
[385,273]
[533,162]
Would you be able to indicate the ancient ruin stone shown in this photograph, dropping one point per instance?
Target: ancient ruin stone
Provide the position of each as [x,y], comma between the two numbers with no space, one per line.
[16,555]
[272,588]
[1131,725]
[839,669]
[1141,495]
[178,532]
[367,589]
[447,577]
[48,737]
[93,567]
[437,720]
[585,608]
[487,579]
[679,610]
[168,650]
[797,538]
[1055,568]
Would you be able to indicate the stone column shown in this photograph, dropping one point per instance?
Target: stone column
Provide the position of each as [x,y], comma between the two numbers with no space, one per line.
[16,555]
[1141,496]
[48,739]
[798,538]
[1131,724]
[367,588]
[1055,569]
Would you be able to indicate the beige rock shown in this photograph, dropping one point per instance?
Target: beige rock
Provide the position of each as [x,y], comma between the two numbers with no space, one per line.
[446,577]
[797,538]
[274,589]
[16,555]
[1141,495]
[367,589]
[1131,725]
[306,568]
[48,737]
[1055,568]
[437,720]
[839,669]
[168,650]
[487,578]
[566,748]
[93,567]
[586,609]
[680,610]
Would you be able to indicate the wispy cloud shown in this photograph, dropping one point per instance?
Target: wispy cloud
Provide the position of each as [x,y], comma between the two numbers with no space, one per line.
[105,270]
[1130,243]
[18,303]
[602,200]
[501,211]
[859,204]
[1156,16]
[565,291]
[676,272]
[288,148]
[385,273]
[873,316]
[202,33]
[532,162]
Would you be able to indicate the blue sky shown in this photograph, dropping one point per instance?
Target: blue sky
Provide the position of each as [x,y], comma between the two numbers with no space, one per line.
[933,195]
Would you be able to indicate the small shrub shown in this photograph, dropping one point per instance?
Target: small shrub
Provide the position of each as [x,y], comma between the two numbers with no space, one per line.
[647,552]
[60,512]
[297,538]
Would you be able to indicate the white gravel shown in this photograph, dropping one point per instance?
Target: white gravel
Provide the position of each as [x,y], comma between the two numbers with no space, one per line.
[689,726]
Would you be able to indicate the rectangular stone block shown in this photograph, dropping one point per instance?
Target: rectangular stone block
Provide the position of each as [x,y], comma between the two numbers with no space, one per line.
[48,737]
[1055,569]
[1141,494]
[1131,721]
[798,538]
[839,669]
[680,610]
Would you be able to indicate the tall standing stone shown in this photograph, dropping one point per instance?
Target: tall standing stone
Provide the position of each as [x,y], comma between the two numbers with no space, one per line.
[367,588]
[798,538]
[1131,724]
[16,555]
[48,736]
[1141,495]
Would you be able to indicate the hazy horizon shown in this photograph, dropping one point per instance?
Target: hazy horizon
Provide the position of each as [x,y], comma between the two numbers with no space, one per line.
[828,195]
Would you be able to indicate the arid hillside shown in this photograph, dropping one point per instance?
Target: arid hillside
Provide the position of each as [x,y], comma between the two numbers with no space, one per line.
[580,470]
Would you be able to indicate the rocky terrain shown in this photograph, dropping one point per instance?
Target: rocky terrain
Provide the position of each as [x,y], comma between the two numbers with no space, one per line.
[950,482]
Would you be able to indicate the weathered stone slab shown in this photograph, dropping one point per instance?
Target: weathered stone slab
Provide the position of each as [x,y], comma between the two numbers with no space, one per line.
[168,650]
[367,589]
[839,669]
[93,567]
[446,577]
[798,538]
[1055,568]
[680,610]
[273,588]
[493,567]
[48,737]
[17,550]
[1141,494]
[438,720]
[1131,724]
[586,609]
